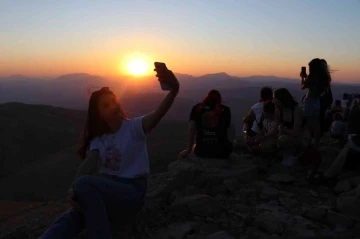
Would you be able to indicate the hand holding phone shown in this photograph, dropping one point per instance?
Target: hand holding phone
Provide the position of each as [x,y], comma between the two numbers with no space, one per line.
[303,72]
[166,77]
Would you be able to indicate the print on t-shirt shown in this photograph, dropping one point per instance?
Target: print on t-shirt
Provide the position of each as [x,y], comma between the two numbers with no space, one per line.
[211,127]
[112,158]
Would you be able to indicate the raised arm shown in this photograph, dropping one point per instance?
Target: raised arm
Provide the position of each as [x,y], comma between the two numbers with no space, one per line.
[304,83]
[152,119]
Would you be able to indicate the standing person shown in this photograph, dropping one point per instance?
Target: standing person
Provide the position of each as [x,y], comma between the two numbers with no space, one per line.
[326,100]
[317,82]
[210,123]
[117,145]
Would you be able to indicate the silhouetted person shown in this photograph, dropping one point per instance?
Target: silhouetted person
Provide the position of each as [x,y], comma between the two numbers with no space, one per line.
[317,82]
[266,142]
[210,122]
[253,120]
[291,125]
[326,100]
[348,158]
[338,127]
[345,104]
[117,146]
[336,107]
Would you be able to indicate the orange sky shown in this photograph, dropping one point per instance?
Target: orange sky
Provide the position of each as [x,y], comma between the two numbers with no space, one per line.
[241,38]
[115,62]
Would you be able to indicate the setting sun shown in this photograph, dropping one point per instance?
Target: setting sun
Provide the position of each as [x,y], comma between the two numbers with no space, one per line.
[138,66]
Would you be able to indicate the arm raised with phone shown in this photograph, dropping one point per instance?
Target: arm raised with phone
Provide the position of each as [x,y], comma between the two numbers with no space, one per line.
[168,82]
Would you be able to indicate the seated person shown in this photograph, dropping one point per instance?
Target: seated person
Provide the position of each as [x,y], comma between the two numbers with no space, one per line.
[266,142]
[336,107]
[356,102]
[291,123]
[252,119]
[210,122]
[348,159]
[111,183]
[345,103]
[338,127]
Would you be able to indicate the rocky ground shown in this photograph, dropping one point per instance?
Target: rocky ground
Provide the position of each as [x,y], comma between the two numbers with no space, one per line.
[244,197]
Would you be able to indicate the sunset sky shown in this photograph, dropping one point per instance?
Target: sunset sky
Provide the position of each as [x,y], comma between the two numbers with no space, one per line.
[255,37]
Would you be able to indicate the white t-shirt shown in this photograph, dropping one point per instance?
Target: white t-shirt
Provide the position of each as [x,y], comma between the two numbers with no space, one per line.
[337,128]
[344,103]
[269,125]
[258,110]
[124,153]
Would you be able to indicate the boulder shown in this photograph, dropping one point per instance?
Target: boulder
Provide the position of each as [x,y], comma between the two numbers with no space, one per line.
[199,205]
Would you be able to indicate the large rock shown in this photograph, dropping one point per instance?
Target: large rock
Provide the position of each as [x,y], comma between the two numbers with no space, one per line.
[281,178]
[339,219]
[273,222]
[350,206]
[342,186]
[199,205]
[317,213]
[175,231]
[220,235]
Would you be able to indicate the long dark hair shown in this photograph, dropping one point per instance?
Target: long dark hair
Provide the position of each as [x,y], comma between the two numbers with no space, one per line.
[319,74]
[95,126]
[213,101]
[286,98]
[266,94]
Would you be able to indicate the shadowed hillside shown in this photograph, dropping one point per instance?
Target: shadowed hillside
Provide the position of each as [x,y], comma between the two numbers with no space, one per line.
[31,132]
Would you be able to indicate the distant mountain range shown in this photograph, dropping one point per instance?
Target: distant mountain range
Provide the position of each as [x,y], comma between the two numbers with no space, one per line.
[70,91]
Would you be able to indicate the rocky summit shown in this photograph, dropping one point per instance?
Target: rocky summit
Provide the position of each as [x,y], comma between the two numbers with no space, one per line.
[243,197]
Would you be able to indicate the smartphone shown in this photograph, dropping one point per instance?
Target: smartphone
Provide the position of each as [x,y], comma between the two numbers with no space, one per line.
[161,67]
[303,71]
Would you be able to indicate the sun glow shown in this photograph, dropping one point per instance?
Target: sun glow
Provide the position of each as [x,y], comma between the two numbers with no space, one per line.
[138,66]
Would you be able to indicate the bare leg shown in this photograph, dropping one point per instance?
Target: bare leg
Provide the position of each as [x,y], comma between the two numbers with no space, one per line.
[337,166]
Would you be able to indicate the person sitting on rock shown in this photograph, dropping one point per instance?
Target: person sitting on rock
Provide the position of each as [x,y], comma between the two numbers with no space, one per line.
[266,142]
[210,122]
[348,158]
[356,102]
[345,103]
[111,183]
[252,119]
[291,123]
[336,107]
[338,127]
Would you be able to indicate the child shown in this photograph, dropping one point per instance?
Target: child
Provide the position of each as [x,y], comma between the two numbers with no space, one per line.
[337,128]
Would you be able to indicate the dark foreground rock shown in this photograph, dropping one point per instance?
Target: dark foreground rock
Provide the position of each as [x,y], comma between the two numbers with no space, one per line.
[225,199]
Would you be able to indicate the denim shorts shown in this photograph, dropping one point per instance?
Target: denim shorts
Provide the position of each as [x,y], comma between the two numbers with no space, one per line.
[311,106]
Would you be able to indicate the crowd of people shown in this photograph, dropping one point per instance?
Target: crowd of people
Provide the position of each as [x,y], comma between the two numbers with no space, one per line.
[111,182]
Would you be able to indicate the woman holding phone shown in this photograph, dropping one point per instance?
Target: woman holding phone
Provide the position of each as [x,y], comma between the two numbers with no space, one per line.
[117,146]
[317,82]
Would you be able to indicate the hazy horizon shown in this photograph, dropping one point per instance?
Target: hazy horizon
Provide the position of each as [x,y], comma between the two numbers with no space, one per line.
[241,38]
